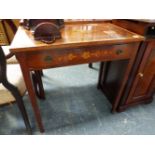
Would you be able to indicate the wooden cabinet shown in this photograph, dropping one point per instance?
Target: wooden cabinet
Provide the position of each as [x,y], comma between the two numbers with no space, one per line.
[141,82]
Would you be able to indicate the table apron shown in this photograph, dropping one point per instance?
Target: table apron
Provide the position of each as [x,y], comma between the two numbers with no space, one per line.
[64,57]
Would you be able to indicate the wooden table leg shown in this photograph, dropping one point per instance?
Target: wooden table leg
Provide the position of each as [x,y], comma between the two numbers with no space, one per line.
[31,92]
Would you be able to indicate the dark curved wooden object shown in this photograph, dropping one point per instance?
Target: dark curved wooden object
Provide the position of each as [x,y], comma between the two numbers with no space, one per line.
[32,23]
[47,32]
[14,91]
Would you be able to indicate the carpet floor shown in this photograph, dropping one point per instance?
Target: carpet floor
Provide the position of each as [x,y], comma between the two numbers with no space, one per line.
[74,106]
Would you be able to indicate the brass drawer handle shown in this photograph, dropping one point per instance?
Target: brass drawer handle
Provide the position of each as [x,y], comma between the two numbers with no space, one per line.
[119,52]
[141,75]
[48,58]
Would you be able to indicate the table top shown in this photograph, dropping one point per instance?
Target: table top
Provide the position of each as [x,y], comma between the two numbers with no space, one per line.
[75,36]
[86,21]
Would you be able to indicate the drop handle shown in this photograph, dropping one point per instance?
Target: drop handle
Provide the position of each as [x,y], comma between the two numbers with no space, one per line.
[48,58]
[119,52]
[140,75]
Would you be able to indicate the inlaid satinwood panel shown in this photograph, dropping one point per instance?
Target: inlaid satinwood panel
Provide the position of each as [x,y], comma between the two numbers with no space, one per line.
[63,57]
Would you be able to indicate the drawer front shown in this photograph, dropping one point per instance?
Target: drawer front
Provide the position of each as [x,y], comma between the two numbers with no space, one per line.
[64,57]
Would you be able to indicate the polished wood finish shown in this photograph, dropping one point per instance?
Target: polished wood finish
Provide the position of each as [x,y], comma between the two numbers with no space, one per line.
[80,43]
[29,85]
[139,26]
[141,84]
[86,21]
[76,36]
[65,57]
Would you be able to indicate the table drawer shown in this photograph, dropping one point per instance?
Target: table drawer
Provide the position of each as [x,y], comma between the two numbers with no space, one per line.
[64,57]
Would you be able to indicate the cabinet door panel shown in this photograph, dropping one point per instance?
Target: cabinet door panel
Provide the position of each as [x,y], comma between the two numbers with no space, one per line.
[143,85]
[147,78]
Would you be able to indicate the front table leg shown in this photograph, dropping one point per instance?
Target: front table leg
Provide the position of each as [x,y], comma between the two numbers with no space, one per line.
[30,89]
